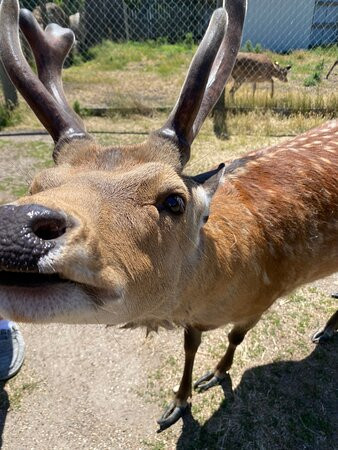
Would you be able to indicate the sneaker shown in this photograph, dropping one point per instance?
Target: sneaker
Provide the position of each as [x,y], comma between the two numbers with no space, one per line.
[12,352]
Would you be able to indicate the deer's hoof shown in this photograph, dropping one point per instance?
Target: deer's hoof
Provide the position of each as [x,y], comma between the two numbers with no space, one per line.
[323,336]
[208,381]
[170,416]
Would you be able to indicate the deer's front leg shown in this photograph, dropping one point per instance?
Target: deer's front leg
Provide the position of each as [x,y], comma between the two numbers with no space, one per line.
[192,340]
[217,376]
[272,88]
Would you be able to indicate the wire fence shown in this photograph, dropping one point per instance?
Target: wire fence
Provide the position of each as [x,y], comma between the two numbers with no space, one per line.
[289,51]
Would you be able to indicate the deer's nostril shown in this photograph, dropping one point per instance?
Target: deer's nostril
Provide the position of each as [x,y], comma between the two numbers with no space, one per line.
[49,228]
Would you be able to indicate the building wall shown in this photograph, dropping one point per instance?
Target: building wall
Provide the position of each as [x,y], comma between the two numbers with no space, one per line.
[279,25]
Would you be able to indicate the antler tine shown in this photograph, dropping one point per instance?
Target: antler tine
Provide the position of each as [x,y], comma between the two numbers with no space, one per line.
[180,122]
[44,96]
[224,61]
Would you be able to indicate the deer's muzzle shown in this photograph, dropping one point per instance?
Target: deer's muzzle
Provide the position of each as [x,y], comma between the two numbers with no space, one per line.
[27,234]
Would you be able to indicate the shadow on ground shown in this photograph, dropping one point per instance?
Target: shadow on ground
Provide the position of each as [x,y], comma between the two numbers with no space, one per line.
[4,407]
[285,404]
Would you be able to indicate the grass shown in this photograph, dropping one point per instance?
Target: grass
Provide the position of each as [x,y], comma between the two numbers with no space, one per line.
[18,163]
[316,77]
[150,74]
[8,117]
[17,392]
[280,383]
[141,76]
[160,58]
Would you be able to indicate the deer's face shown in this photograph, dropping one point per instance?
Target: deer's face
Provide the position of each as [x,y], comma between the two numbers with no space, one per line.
[282,72]
[101,240]
[105,235]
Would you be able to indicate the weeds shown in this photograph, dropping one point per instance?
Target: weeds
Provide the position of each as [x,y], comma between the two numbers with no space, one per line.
[249,47]
[316,77]
[8,117]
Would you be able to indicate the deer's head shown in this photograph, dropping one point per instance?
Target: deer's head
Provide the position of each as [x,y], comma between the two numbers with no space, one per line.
[108,234]
[281,72]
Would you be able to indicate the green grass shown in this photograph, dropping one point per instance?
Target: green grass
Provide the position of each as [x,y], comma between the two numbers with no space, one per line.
[160,58]
[315,77]
[29,158]
[18,392]
[144,75]
[8,117]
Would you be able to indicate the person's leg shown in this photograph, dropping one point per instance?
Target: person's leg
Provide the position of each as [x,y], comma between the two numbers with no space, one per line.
[12,349]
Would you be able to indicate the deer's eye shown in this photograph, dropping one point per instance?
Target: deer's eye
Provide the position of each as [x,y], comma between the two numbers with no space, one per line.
[173,204]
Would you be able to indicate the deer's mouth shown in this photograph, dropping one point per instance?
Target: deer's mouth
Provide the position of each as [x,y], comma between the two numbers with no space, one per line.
[22,279]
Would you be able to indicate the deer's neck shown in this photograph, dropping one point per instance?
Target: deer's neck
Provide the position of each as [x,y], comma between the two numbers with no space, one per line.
[271,229]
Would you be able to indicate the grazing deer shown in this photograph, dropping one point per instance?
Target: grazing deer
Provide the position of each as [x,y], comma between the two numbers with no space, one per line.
[256,68]
[122,235]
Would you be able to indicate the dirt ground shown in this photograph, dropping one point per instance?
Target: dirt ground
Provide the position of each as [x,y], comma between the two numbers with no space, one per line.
[92,387]
[86,387]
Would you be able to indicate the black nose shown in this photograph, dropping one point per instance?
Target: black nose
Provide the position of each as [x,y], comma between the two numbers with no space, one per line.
[27,233]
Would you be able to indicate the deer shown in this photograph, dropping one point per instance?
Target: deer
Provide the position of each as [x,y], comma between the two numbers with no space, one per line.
[256,68]
[123,236]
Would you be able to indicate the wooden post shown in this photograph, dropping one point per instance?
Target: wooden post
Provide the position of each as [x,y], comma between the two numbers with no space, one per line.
[125,19]
[219,115]
[11,96]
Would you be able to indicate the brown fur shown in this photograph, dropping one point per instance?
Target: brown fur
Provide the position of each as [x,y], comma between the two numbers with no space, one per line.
[256,68]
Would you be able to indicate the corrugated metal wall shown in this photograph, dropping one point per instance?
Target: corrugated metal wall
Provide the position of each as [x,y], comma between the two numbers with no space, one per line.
[324,28]
[283,25]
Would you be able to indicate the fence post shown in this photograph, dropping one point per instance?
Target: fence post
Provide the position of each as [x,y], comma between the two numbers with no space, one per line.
[125,19]
[11,96]
[219,115]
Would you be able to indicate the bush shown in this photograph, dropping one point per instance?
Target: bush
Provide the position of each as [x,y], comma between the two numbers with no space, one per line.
[316,77]
[248,47]
[188,41]
[8,117]
[77,107]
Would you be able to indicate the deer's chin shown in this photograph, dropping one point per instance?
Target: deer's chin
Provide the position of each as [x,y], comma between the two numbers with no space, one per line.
[55,300]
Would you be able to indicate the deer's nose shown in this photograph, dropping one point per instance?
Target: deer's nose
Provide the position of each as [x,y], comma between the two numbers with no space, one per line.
[28,233]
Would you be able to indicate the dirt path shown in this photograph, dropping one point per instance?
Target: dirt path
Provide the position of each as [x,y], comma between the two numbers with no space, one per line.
[81,390]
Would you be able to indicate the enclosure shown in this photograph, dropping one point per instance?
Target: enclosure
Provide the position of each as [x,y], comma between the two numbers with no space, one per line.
[94,387]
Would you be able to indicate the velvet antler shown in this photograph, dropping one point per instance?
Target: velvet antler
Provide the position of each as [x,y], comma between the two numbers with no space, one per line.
[44,93]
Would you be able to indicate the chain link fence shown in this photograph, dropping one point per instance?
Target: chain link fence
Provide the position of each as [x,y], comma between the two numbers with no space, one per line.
[289,50]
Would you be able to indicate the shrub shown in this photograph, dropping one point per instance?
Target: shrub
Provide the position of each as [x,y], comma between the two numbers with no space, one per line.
[316,77]
[248,47]
[8,117]
[188,40]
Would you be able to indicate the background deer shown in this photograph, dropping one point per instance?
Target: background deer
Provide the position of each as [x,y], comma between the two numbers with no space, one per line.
[256,68]
[122,235]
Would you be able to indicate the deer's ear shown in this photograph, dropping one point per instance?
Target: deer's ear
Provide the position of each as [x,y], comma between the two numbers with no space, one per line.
[210,181]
